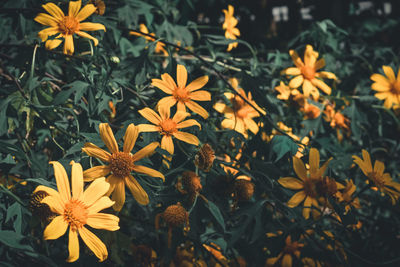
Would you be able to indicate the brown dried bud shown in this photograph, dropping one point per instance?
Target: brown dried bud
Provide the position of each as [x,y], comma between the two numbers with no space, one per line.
[100,5]
[40,209]
[244,189]
[175,215]
[205,157]
[191,182]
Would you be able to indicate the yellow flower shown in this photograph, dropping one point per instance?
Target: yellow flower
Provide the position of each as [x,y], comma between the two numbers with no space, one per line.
[309,183]
[229,25]
[121,164]
[388,88]
[337,121]
[67,26]
[77,210]
[286,256]
[285,92]
[160,46]
[346,196]
[382,181]
[168,127]
[183,94]
[306,73]
[240,116]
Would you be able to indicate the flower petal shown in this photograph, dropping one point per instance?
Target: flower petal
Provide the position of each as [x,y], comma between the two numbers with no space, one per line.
[188,123]
[296,59]
[200,95]
[96,172]
[101,204]
[319,64]
[167,102]
[296,81]
[292,71]
[118,195]
[103,221]
[287,260]
[168,79]
[94,151]
[181,76]
[307,207]
[85,12]
[148,128]
[73,8]
[162,85]
[379,167]
[108,138]
[131,135]
[136,190]
[96,190]
[44,34]
[187,137]
[56,228]
[321,85]
[55,203]
[94,243]
[196,108]
[164,112]
[48,190]
[54,10]
[73,243]
[291,183]
[149,171]
[251,125]
[51,44]
[167,144]
[86,35]
[379,78]
[296,199]
[47,20]
[62,181]
[313,161]
[68,45]
[77,180]
[150,115]
[299,168]
[389,73]
[90,26]
[145,152]
[197,84]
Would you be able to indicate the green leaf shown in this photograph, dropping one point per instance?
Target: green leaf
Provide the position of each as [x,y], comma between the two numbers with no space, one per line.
[216,213]
[281,145]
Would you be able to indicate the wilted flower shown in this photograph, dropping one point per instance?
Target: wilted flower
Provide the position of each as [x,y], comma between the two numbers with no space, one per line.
[204,158]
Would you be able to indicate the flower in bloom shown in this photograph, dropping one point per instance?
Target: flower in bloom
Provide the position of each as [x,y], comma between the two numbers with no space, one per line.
[346,196]
[169,127]
[160,46]
[67,26]
[337,121]
[77,210]
[182,94]
[120,164]
[388,88]
[306,73]
[285,92]
[240,116]
[311,183]
[286,256]
[381,181]
[231,32]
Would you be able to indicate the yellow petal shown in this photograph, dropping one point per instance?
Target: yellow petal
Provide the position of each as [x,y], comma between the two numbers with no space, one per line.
[54,10]
[319,64]
[296,199]
[94,151]
[292,71]
[85,12]
[296,59]
[47,20]
[167,101]
[181,76]
[179,116]
[137,191]
[145,152]
[197,84]
[321,85]
[308,87]
[62,181]
[44,34]
[379,78]
[220,107]
[77,180]
[48,190]
[101,204]
[73,8]
[148,128]
[96,172]
[307,207]
[90,26]
[326,74]
[379,167]
[167,144]
[73,244]
[149,171]
[168,79]
[299,168]
[291,183]
[68,45]
[196,108]
[251,125]
[380,87]
[131,134]
[187,137]
[181,106]
[108,138]
[150,115]
[389,73]
[119,195]
[165,112]
[96,190]
[313,160]
[86,35]
[51,44]
[310,56]
[55,203]
[296,81]
[162,85]
[94,243]
[103,221]
[287,260]
[188,123]
[200,95]
[56,228]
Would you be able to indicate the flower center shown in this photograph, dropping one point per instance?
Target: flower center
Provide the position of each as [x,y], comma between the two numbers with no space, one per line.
[75,214]
[378,181]
[242,113]
[181,94]
[168,127]
[69,25]
[121,164]
[291,248]
[238,103]
[308,72]
[310,188]
[396,87]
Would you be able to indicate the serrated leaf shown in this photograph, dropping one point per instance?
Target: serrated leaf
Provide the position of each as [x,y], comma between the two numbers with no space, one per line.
[281,145]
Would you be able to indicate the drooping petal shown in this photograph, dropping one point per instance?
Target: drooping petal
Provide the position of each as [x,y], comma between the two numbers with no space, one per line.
[62,181]
[96,190]
[101,204]
[188,123]
[196,108]
[326,74]
[130,137]
[137,191]
[181,76]
[149,171]
[112,180]
[86,35]
[389,73]
[51,44]
[287,260]
[291,183]
[162,85]
[200,95]
[187,137]
[167,101]
[296,81]
[96,172]
[296,59]
[74,7]
[307,88]
[94,151]
[307,207]
[103,221]
[54,10]
[150,115]
[90,26]
[197,84]
[143,128]
[313,161]
[321,85]
[50,191]
[85,12]
[94,244]
[299,168]
[108,138]
[296,199]
[47,20]
[319,64]
[68,45]
[73,243]
[56,228]
[322,170]
[145,152]
[167,144]
[77,180]
[251,125]
[119,195]
[44,34]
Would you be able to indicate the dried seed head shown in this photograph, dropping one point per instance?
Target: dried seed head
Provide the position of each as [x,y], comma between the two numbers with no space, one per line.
[144,255]
[244,189]
[191,182]
[175,215]
[39,209]
[205,157]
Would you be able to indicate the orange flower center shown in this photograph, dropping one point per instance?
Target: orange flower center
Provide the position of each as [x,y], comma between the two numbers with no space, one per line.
[310,188]
[308,72]
[168,127]
[181,94]
[238,103]
[69,25]
[396,87]
[121,164]
[75,214]
[242,113]
[311,111]
[377,179]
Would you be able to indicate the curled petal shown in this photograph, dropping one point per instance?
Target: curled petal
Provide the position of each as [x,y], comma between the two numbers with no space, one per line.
[94,243]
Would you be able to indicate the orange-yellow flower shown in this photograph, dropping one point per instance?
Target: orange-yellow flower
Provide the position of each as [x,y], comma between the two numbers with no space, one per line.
[168,127]
[231,32]
[160,46]
[346,196]
[388,88]
[67,26]
[285,92]
[77,210]
[382,181]
[182,94]
[306,73]
[286,256]
[337,121]
[240,116]
[121,164]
